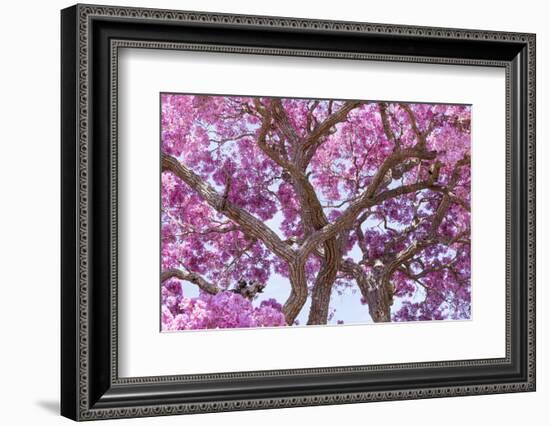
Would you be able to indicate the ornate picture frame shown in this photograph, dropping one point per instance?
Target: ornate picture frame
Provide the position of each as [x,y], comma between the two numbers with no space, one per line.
[91,37]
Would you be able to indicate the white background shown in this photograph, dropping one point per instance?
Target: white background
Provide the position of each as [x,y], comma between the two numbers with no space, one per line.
[142,346]
[29,225]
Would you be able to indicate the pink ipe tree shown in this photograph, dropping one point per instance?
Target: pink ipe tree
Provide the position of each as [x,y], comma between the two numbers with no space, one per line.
[366,199]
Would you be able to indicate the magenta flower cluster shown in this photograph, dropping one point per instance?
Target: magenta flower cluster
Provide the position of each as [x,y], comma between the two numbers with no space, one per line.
[223,310]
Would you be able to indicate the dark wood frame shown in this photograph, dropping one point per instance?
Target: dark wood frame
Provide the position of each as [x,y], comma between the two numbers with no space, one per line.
[90,38]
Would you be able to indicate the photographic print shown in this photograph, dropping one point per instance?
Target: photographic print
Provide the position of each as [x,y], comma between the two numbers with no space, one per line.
[291,212]
[300,185]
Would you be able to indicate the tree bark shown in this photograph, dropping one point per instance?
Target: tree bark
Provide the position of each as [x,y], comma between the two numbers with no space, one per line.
[378,297]
[253,227]
[370,197]
[298,292]
[190,277]
[320,298]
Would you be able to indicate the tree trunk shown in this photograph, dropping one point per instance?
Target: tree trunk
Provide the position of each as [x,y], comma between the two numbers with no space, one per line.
[379,300]
[318,313]
[298,293]
[378,297]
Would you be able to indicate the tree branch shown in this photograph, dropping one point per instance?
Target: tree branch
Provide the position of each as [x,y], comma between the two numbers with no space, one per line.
[323,128]
[421,137]
[368,198]
[283,122]
[249,224]
[431,239]
[190,277]
[446,200]
[382,106]
[315,138]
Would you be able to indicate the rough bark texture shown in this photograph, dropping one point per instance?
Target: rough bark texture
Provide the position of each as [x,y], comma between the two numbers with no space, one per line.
[322,289]
[298,293]
[378,297]
[252,226]
[190,277]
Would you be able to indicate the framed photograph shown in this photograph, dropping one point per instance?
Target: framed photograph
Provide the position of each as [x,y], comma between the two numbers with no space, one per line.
[263,212]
